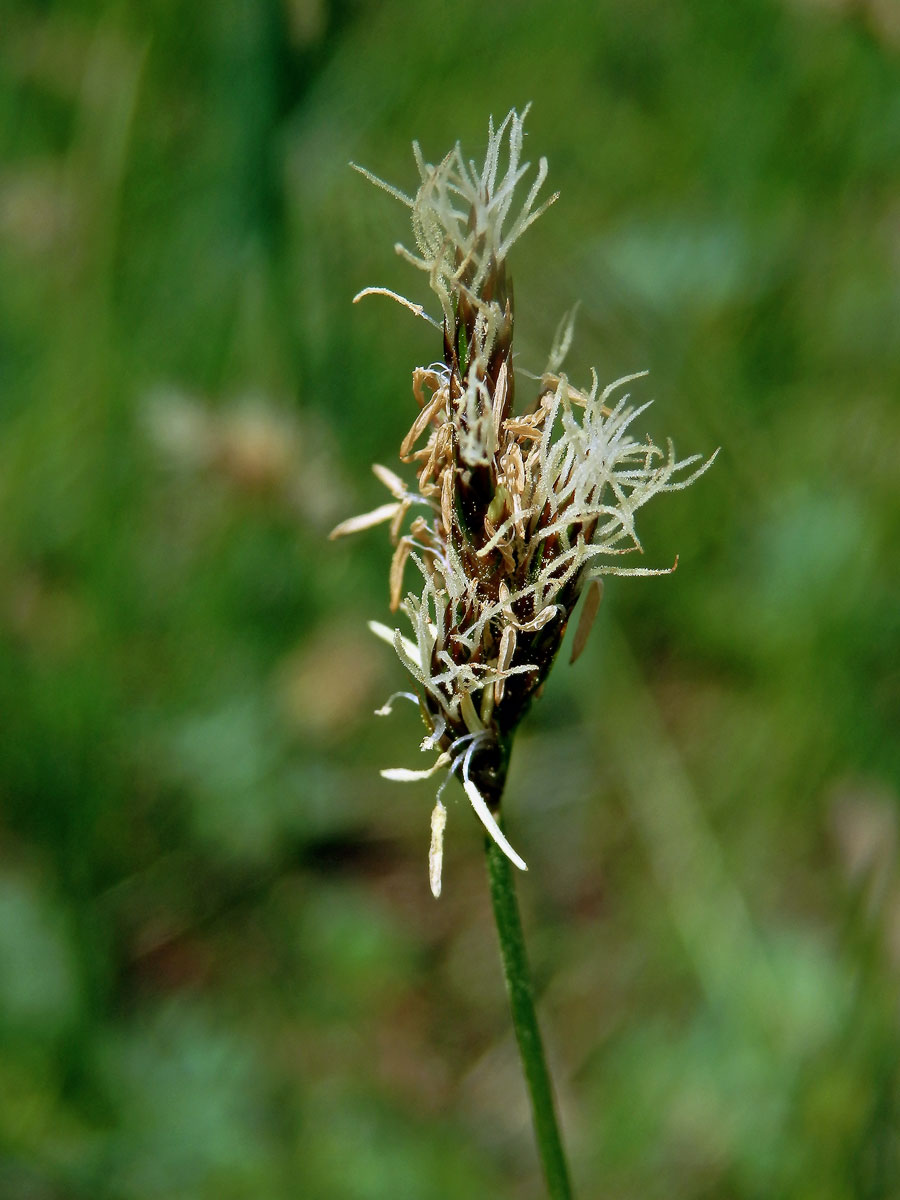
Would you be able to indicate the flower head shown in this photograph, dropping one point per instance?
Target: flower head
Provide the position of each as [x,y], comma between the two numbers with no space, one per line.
[512,513]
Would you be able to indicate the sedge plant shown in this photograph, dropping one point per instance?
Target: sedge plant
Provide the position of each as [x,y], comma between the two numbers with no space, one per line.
[515,512]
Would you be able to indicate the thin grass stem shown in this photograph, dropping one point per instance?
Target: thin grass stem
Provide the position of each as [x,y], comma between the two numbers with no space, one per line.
[528,1035]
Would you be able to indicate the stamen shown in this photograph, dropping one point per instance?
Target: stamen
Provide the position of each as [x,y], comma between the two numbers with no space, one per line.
[386,634]
[402,775]
[447,498]
[504,658]
[485,815]
[377,516]
[392,482]
[499,404]
[586,620]
[430,410]
[436,850]
[398,562]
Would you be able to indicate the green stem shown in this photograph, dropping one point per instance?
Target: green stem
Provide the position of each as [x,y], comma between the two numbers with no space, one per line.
[528,1035]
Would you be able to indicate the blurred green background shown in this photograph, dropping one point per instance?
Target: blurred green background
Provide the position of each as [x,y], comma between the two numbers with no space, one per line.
[222,975]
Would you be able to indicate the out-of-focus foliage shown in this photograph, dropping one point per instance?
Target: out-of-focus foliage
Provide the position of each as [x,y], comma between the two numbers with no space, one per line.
[222,975]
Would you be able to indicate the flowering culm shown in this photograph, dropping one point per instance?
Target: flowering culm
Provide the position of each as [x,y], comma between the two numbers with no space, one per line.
[513,513]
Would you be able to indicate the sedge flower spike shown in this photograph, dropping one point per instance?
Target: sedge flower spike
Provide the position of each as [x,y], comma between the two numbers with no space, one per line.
[513,514]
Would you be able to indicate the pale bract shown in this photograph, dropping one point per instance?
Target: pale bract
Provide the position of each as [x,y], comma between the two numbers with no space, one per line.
[511,513]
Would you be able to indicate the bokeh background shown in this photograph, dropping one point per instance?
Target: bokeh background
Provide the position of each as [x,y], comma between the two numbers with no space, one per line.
[222,975]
